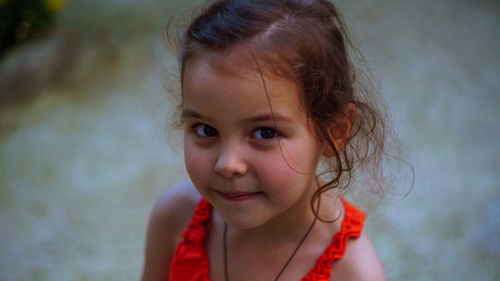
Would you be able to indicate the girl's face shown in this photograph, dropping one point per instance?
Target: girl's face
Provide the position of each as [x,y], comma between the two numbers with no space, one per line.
[252,165]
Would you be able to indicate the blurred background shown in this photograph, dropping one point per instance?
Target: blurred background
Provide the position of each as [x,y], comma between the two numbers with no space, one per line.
[84,108]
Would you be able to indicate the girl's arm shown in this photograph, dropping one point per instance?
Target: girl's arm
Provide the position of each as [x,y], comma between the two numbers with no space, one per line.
[170,216]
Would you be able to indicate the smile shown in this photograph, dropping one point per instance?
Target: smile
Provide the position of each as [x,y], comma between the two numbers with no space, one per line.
[238,196]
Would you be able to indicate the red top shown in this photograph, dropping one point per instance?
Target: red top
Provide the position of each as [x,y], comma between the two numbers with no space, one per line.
[190,262]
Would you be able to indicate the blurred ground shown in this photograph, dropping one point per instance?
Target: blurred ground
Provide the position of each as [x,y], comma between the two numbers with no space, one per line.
[83,150]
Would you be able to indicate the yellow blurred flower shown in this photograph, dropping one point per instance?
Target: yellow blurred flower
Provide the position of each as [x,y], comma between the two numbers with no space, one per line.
[54,5]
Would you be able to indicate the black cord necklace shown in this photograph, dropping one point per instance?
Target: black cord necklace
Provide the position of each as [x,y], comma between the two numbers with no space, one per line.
[226,274]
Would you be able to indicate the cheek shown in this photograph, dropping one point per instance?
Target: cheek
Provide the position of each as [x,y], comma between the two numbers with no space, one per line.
[296,166]
[197,163]
[280,172]
[303,157]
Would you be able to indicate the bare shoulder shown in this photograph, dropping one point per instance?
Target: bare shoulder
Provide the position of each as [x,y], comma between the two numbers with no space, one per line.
[360,262]
[169,217]
[177,202]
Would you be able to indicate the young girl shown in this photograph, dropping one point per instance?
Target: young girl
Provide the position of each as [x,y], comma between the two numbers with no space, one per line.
[268,92]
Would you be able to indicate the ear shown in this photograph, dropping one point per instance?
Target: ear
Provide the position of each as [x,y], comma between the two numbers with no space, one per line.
[341,129]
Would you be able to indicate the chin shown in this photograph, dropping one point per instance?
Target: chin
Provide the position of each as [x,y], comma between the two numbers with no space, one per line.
[242,222]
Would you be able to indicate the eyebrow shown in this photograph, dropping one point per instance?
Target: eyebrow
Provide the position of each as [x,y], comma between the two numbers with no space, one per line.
[269,117]
[191,113]
[254,119]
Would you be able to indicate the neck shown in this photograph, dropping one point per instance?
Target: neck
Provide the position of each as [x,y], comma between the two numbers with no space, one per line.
[293,224]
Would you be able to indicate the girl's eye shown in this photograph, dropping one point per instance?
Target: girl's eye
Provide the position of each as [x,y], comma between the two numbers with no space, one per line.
[265,133]
[204,130]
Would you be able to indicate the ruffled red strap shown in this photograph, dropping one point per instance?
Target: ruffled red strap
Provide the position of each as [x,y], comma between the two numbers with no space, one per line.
[352,225]
[190,261]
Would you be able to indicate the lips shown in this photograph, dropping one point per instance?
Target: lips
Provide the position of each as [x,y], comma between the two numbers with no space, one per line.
[238,196]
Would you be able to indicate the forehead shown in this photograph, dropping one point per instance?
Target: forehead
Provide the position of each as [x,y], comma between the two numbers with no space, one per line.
[214,78]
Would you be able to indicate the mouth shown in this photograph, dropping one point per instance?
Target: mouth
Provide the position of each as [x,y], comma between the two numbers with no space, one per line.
[238,196]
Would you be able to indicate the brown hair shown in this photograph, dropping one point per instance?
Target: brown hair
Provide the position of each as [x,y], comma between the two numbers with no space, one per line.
[305,41]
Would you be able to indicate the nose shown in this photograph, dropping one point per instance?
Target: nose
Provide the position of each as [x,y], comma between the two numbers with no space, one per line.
[230,162]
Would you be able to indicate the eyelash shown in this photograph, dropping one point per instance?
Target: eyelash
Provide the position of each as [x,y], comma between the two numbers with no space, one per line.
[198,129]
